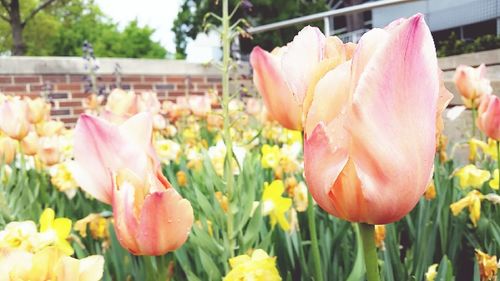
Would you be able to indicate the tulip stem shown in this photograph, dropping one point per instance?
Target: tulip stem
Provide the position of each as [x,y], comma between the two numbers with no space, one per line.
[370,251]
[318,275]
[498,160]
[228,171]
[474,116]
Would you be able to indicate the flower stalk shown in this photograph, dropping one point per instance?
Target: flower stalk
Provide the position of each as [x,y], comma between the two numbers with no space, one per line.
[318,275]
[370,251]
[228,171]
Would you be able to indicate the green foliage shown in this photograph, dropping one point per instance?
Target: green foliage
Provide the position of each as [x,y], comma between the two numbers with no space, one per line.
[190,20]
[455,46]
[62,29]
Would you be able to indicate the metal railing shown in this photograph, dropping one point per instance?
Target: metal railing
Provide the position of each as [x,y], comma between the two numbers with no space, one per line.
[325,16]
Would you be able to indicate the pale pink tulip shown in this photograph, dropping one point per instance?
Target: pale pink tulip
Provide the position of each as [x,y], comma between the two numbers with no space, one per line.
[49,150]
[14,118]
[472,84]
[118,165]
[7,150]
[488,120]
[38,110]
[148,101]
[269,81]
[30,144]
[200,105]
[371,127]
[101,148]
[122,103]
[151,218]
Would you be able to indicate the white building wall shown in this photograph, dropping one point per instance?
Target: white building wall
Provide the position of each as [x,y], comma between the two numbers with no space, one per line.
[440,14]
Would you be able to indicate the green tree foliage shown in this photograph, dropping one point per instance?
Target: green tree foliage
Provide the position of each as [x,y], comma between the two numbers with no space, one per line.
[190,19]
[62,29]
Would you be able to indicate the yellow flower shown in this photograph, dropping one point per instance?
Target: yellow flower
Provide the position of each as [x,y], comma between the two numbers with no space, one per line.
[274,205]
[259,266]
[488,266]
[291,136]
[271,156]
[472,150]
[98,225]
[471,176]
[62,178]
[167,150]
[300,197]
[473,202]
[48,264]
[431,272]
[489,148]
[430,193]
[181,178]
[57,228]
[495,181]
[222,199]
[18,235]
[379,236]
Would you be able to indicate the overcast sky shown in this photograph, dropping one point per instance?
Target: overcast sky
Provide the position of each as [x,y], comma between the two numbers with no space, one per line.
[158,14]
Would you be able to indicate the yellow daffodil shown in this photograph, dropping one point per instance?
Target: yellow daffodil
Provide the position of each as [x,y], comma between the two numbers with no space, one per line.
[488,266]
[181,178]
[471,176]
[223,201]
[274,205]
[431,273]
[473,202]
[19,235]
[49,264]
[97,224]
[441,148]
[57,228]
[430,192]
[271,156]
[258,266]
[168,150]
[62,178]
[489,148]
[379,236]
[495,181]
[300,199]
[291,136]
[472,150]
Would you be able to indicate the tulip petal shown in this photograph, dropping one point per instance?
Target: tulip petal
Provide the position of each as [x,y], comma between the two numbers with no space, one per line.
[125,220]
[165,222]
[101,148]
[322,166]
[331,97]
[392,122]
[301,58]
[270,83]
[91,268]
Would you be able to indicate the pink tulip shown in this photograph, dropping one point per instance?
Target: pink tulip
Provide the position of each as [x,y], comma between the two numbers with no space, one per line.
[14,118]
[472,84]
[284,77]
[488,120]
[122,103]
[269,81]
[148,101]
[151,218]
[370,130]
[118,165]
[200,105]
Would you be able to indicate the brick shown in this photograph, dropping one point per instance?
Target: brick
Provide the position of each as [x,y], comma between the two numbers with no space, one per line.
[76,78]
[176,93]
[153,78]
[126,87]
[36,87]
[54,78]
[13,88]
[78,111]
[26,79]
[69,86]
[183,87]
[107,78]
[6,80]
[80,95]
[69,120]
[214,79]
[71,103]
[58,112]
[164,86]
[132,78]
[58,96]
[205,86]
[176,79]
[196,79]
[143,86]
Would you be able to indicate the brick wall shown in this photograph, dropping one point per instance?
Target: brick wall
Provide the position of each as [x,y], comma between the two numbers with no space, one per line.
[66,92]
[62,80]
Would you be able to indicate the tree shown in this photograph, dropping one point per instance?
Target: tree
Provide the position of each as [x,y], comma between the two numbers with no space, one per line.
[61,29]
[12,14]
[189,21]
